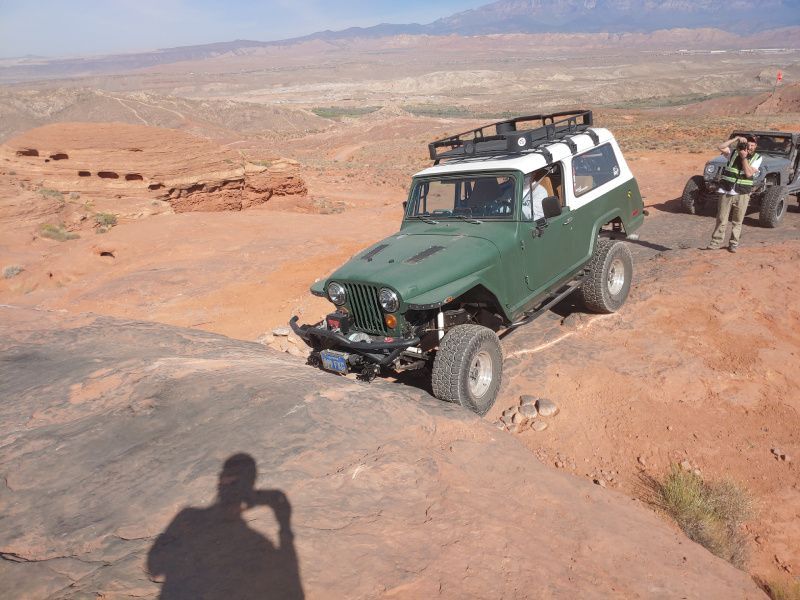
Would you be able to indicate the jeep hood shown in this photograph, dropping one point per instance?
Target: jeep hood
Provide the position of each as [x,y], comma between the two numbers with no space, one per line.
[415,263]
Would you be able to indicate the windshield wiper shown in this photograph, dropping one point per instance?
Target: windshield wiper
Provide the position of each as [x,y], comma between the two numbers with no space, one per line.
[469,219]
[426,219]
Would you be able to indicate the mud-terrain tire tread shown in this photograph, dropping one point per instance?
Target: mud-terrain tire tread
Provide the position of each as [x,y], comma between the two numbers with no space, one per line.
[452,361]
[768,215]
[691,200]
[594,289]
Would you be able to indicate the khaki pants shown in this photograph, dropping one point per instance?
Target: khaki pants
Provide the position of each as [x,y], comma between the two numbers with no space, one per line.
[733,207]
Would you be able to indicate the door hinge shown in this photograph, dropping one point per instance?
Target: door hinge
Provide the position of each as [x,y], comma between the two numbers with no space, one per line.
[522,244]
[527,281]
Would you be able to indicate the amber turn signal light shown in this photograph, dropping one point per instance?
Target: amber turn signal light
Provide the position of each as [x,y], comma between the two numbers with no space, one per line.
[390,320]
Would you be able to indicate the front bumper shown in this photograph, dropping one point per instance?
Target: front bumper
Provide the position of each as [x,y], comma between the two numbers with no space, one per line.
[378,352]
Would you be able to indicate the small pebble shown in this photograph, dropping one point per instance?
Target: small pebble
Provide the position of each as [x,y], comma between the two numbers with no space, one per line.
[509,412]
[526,400]
[528,410]
[281,331]
[539,425]
[669,427]
[600,482]
[641,461]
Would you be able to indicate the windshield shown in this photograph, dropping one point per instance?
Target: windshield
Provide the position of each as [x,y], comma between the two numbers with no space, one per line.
[774,144]
[465,196]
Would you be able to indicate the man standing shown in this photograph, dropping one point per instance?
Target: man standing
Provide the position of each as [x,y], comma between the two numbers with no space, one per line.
[735,187]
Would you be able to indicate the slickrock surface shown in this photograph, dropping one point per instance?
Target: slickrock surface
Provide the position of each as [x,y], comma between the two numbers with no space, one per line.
[115,432]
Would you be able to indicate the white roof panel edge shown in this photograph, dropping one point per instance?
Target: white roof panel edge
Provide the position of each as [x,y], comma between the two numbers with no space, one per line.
[525,162]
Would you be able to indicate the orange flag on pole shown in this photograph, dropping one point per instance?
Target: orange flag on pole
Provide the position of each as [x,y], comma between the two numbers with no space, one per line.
[780,77]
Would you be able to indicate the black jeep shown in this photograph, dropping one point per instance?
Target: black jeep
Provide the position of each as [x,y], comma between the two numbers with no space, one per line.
[777,178]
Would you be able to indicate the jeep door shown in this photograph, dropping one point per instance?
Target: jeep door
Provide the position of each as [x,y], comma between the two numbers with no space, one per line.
[545,244]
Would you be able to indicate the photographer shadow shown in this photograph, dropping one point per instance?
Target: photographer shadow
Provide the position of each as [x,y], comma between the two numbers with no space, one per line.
[211,553]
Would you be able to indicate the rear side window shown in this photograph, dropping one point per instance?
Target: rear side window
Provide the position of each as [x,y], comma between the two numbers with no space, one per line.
[594,168]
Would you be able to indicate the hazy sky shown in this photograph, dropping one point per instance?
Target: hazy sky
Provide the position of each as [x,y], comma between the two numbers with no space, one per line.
[75,27]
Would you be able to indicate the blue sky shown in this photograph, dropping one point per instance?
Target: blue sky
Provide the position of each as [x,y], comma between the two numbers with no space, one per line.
[78,27]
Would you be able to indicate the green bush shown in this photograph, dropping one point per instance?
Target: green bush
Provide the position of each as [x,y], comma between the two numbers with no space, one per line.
[338,112]
[710,513]
[57,232]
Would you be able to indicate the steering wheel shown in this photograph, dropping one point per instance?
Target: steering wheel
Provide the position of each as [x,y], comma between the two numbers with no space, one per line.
[498,206]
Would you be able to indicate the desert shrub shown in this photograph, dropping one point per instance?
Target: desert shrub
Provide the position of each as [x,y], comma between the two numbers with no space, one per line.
[337,112]
[783,591]
[12,271]
[105,219]
[710,513]
[74,196]
[57,232]
[51,193]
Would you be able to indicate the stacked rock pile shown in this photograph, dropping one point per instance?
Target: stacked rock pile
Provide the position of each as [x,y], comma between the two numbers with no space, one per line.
[530,413]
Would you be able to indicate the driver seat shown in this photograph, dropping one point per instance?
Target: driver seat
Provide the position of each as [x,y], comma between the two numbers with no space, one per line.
[486,189]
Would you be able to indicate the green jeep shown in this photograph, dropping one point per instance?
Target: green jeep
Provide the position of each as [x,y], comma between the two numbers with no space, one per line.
[511,218]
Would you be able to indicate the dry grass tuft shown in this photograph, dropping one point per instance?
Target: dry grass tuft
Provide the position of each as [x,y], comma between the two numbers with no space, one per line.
[12,271]
[57,232]
[105,219]
[778,590]
[710,513]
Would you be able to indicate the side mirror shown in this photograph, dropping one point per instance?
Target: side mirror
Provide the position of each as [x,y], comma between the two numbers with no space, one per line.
[551,207]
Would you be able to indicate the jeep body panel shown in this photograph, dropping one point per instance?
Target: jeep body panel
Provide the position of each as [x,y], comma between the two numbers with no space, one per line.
[424,257]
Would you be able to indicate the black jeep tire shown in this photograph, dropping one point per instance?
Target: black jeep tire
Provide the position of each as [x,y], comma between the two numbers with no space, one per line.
[773,206]
[468,368]
[605,287]
[692,199]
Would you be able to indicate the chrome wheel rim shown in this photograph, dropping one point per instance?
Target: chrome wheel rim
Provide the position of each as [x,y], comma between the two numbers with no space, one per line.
[480,374]
[616,276]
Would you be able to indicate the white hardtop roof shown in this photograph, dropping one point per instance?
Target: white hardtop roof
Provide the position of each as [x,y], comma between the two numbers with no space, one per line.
[517,162]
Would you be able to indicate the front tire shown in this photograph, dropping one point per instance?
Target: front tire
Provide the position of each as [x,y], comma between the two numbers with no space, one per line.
[773,206]
[692,198]
[468,368]
[605,287]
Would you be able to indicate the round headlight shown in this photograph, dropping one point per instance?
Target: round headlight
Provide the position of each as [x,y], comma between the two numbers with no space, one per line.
[336,293]
[388,299]
[710,169]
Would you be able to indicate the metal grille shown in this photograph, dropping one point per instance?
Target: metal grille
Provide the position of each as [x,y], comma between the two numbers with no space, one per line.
[365,308]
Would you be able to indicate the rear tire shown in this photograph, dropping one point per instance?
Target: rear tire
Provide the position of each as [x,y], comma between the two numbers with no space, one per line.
[692,199]
[468,368]
[605,287]
[773,206]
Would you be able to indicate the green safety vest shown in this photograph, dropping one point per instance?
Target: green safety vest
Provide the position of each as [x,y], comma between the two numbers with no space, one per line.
[736,177]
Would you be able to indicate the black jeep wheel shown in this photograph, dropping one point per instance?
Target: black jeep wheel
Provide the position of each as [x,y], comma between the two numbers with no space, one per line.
[773,206]
[692,199]
[605,287]
[468,367]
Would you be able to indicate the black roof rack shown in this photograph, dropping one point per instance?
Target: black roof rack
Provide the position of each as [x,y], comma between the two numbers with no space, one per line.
[507,137]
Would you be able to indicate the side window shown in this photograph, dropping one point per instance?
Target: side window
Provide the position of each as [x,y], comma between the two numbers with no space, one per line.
[538,186]
[594,168]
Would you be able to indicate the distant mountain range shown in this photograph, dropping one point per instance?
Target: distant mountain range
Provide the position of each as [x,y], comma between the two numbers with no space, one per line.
[501,17]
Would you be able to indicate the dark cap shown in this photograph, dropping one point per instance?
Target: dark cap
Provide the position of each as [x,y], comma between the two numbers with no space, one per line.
[750,138]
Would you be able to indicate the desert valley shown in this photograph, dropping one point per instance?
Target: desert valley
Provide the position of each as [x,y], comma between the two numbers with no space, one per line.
[161,222]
